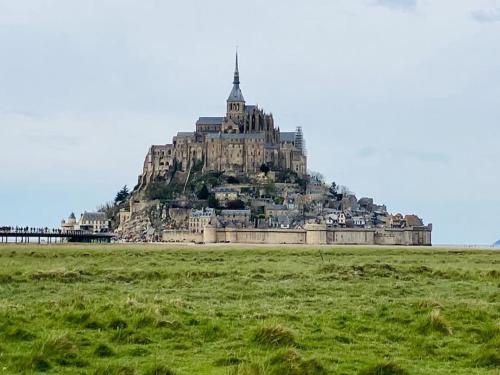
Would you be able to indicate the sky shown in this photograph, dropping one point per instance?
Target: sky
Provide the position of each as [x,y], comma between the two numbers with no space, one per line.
[398,99]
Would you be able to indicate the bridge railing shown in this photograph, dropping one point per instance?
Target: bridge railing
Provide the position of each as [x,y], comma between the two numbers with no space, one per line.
[16,230]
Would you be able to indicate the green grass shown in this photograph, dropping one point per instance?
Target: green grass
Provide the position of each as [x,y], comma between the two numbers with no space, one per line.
[188,310]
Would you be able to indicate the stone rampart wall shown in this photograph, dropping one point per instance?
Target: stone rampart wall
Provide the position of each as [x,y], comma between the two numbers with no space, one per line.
[181,236]
[261,236]
[318,234]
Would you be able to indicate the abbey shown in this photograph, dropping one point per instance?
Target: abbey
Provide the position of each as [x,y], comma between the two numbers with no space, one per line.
[240,143]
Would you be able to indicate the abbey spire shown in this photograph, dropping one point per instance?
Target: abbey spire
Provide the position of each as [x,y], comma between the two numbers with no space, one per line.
[236,96]
[236,80]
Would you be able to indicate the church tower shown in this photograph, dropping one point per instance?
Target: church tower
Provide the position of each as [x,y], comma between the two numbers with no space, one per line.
[235,101]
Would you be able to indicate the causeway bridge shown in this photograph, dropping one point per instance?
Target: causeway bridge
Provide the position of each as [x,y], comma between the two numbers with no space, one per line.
[36,235]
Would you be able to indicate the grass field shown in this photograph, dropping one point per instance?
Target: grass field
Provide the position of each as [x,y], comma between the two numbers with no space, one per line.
[224,310]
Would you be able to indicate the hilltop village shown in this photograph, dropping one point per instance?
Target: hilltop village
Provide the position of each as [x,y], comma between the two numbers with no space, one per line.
[239,178]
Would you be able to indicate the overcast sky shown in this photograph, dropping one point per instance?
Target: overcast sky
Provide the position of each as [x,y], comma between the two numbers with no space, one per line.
[399,99]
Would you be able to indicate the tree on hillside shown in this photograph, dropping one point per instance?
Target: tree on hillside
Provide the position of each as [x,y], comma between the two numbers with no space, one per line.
[237,204]
[265,169]
[212,201]
[203,193]
[232,180]
[163,192]
[344,190]
[317,176]
[122,195]
[333,189]
[270,189]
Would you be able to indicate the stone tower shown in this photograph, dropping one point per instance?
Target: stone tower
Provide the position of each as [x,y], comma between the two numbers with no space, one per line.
[235,101]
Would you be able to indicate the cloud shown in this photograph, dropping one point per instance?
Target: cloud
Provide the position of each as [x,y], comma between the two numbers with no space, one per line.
[486,15]
[397,4]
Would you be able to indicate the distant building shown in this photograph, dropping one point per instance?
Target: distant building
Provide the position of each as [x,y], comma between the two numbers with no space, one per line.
[238,143]
[397,221]
[225,194]
[283,222]
[239,218]
[413,221]
[276,210]
[342,219]
[69,225]
[199,219]
[359,221]
[95,222]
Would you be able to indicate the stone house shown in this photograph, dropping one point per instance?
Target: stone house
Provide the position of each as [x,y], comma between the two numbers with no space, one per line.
[225,194]
[413,221]
[342,219]
[69,224]
[274,210]
[95,222]
[283,222]
[359,221]
[199,219]
[239,218]
[397,221]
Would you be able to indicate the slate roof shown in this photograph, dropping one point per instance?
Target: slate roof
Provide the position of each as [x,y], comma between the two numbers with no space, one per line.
[235,212]
[224,189]
[235,136]
[210,120]
[236,95]
[287,136]
[185,134]
[204,212]
[93,216]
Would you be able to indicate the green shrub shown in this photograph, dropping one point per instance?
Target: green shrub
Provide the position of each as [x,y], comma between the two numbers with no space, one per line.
[39,364]
[227,361]
[489,355]
[57,349]
[211,331]
[94,324]
[103,350]
[117,323]
[77,317]
[290,362]
[435,321]
[20,334]
[5,279]
[249,369]
[116,370]
[159,370]
[276,335]
[384,368]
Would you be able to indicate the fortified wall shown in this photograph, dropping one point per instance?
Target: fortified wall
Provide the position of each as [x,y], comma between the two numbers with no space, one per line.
[312,234]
